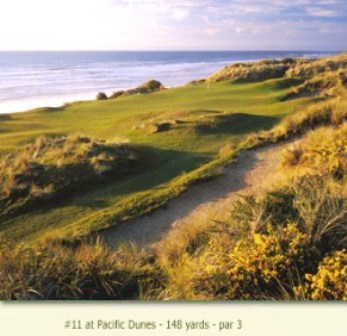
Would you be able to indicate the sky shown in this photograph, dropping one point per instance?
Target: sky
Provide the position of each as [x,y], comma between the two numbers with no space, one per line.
[173,25]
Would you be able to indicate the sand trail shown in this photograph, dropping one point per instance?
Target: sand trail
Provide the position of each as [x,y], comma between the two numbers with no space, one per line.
[253,171]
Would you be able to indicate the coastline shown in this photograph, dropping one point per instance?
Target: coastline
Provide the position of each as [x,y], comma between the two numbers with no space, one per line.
[33,103]
[9,105]
[69,175]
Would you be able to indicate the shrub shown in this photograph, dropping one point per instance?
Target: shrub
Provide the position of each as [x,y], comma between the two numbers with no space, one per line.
[117,94]
[255,268]
[101,96]
[147,87]
[159,127]
[266,246]
[343,77]
[330,282]
[151,86]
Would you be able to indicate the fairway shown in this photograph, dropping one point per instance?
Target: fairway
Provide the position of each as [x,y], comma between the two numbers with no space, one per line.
[233,187]
[198,121]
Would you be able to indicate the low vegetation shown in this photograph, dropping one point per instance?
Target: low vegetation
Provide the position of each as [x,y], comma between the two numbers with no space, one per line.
[289,67]
[322,85]
[331,112]
[323,150]
[101,96]
[253,72]
[52,167]
[88,272]
[268,247]
[147,87]
[180,131]
[311,68]
[287,243]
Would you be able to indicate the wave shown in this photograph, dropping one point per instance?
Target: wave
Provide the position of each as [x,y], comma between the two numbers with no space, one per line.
[27,76]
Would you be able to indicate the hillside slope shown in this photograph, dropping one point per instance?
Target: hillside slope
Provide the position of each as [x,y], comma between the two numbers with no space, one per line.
[283,241]
[180,132]
[253,171]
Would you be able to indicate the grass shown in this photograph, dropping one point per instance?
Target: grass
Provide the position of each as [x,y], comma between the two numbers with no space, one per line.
[110,118]
[51,168]
[288,243]
[202,119]
[330,112]
[87,272]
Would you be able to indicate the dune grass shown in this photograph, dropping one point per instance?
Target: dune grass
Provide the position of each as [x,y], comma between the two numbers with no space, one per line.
[288,243]
[180,130]
[51,168]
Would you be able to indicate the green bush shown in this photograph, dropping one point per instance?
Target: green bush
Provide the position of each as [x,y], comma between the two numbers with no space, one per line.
[151,86]
[147,87]
[101,96]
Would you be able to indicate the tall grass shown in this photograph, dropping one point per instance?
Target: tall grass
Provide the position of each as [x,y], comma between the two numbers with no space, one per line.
[288,243]
[332,112]
[50,168]
[253,72]
[88,271]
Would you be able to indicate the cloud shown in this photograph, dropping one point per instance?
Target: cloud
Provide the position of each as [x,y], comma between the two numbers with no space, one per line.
[253,8]
[328,29]
[180,24]
[212,31]
[321,12]
[180,14]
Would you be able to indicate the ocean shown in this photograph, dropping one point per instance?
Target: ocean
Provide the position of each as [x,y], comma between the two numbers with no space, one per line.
[35,79]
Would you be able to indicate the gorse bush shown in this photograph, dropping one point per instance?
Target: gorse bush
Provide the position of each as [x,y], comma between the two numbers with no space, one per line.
[152,86]
[260,254]
[267,248]
[286,242]
[330,282]
[255,268]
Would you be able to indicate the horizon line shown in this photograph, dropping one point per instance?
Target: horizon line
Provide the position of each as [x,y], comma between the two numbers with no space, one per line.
[173,50]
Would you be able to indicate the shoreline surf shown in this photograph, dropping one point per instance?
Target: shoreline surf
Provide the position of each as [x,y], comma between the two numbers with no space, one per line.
[51,83]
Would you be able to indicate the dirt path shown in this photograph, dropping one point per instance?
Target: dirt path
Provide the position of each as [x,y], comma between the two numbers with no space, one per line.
[253,171]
